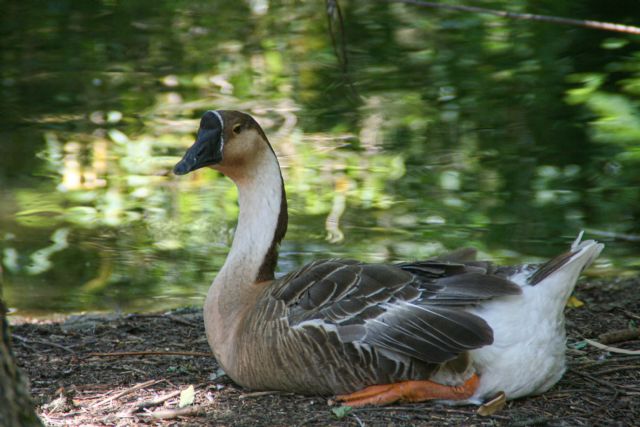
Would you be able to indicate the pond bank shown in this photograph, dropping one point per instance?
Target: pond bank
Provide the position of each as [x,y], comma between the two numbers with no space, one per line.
[130,370]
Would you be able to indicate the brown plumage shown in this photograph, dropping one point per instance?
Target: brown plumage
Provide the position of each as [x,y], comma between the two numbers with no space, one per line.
[384,324]
[338,326]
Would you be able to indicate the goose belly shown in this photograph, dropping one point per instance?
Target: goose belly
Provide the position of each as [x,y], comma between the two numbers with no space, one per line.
[528,353]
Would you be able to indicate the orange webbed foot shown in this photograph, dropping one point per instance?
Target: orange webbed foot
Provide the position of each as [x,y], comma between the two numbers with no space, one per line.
[409,391]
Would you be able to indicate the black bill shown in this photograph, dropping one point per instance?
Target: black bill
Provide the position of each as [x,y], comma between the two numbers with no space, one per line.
[207,150]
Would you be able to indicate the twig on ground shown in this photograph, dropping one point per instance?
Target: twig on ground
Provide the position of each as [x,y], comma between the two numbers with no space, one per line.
[125,392]
[358,420]
[630,315]
[612,386]
[179,320]
[165,316]
[565,392]
[150,353]
[617,369]
[257,394]
[158,400]
[43,342]
[174,413]
[619,335]
[612,349]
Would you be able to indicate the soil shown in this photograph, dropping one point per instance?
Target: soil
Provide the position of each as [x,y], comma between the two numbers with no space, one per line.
[73,386]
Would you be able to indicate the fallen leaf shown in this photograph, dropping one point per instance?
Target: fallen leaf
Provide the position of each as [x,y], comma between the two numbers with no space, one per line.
[217,374]
[187,396]
[574,302]
[341,411]
[580,345]
[492,406]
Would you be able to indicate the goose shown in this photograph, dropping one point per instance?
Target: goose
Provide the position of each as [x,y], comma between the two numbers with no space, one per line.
[451,329]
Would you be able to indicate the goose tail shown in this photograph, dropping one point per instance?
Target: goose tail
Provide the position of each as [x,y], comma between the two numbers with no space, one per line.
[567,266]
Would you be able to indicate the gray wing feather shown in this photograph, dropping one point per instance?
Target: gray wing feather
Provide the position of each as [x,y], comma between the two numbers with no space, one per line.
[414,310]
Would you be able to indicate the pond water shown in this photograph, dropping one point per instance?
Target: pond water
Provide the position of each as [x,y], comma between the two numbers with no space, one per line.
[402,132]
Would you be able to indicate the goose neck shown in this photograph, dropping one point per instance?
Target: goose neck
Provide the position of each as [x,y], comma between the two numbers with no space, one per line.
[261,224]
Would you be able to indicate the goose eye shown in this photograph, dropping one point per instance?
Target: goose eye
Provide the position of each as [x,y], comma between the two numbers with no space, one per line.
[237,129]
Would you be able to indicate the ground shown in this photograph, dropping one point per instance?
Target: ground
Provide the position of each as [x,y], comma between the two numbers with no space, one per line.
[77,378]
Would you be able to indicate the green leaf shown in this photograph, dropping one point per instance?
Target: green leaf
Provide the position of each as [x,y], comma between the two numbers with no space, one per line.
[580,345]
[341,411]
[187,396]
[614,43]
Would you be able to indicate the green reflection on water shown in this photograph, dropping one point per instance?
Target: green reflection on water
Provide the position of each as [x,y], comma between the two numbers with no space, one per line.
[447,130]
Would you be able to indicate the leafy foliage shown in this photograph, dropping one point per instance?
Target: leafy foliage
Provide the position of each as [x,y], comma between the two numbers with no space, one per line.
[443,130]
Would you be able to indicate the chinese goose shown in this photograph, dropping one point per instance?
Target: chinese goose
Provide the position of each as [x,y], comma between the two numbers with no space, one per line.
[450,328]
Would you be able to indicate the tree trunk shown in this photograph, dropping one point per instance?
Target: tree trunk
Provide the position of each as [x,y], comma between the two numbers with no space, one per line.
[16,407]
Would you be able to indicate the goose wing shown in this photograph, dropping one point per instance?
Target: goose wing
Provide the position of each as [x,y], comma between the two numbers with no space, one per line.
[409,309]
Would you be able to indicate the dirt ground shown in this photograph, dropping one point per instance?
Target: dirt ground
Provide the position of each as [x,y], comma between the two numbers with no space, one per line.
[78,377]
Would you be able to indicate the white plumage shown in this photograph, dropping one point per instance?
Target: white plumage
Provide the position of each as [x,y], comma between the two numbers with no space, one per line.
[528,351]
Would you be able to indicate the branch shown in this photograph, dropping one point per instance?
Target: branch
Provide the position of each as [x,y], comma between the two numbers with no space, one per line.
[166,414]
[620,335]
[125,392]
[596,25]
[334,13]
[43,342]
[613,349]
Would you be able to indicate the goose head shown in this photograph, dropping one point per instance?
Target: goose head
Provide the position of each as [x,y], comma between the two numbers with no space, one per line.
[228,141]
